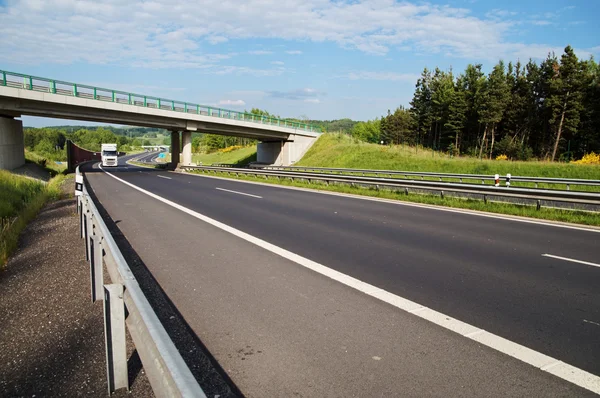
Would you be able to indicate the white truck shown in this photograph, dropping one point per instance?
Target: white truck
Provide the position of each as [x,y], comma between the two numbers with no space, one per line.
[109,155]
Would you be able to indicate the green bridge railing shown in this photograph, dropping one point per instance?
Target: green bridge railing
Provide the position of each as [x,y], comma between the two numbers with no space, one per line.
[18,80]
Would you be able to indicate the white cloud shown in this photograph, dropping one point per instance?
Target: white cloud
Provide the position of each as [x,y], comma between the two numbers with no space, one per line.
[244,70]
[306,94]
[313,100]
[217,39]
[174,33]
[541,22]
[229,102]
[389,76]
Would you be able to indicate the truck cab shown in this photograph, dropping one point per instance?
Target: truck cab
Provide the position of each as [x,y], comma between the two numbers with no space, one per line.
[109,155]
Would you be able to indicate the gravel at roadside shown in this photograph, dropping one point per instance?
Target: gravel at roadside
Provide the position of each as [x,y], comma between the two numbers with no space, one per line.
[51,334]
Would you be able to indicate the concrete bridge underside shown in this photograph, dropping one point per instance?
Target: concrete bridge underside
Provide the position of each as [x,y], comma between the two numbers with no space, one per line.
[279,145]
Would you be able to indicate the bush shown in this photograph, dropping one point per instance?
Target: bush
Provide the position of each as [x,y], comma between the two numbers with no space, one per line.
[501,157]
[590,158]
[513,149]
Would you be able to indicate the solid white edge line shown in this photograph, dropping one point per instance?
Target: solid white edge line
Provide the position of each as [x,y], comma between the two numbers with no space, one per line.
[239,193]
[411,204]
[168,178]
[571,260]
[541,361]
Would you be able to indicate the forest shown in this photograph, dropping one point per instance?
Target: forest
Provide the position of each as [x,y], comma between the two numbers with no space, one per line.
[549,111]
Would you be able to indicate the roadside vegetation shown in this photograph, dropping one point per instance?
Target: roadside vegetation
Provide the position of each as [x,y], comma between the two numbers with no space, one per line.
[236,155]
[21,200]
[340,150]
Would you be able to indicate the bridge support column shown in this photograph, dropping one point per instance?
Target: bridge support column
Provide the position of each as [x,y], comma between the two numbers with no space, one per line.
[284,153]
[186,137]
[175,147]
[12,147]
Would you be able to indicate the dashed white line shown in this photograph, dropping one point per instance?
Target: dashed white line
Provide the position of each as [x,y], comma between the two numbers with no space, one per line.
[592,322]
[571,260]
[168,178]
[541,361]
[239,193]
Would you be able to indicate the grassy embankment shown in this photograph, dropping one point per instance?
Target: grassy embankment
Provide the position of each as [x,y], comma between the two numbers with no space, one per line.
[21,200]
[238,157]
[333,150]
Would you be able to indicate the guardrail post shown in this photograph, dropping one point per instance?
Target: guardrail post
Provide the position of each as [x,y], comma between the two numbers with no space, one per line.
[113,96]
[172,105]
[209,111]
[114,337]
[96,270]
[129,99]
[3,78]
[145,101]
[185,107]
[158,103]
[198,109]
[52,87]
[85,234]
[81,220]
[74,90]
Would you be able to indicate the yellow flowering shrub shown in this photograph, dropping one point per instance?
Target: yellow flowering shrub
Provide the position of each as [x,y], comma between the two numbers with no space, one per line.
[590,158]
[230,148]
[501,157]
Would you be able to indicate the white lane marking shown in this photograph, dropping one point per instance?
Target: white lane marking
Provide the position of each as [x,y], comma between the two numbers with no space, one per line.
[168,178]
[541,361]
[410,204]
[592,322]
[239,193]
[571,260]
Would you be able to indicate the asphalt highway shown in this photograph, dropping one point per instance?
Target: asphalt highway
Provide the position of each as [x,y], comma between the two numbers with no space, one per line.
[530,283]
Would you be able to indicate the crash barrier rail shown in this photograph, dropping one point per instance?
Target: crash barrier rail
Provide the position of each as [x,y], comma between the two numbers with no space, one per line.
[568,182]
[125,304]
[42,84]
[485,191]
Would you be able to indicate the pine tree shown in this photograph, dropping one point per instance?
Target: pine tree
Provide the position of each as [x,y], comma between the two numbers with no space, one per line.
[421,105]
[496,97]
[457,112]
[474,84]
[565,100]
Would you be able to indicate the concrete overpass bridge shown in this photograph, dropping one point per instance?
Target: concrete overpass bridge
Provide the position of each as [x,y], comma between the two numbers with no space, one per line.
[282,142]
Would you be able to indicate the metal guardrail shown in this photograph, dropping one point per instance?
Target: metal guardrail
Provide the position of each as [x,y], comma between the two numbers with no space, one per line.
[42,84]
[168,374]
[482,177]
[485,191]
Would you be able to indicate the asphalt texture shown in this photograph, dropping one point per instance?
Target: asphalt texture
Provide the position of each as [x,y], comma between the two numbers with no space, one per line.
[240,300]
[51,335]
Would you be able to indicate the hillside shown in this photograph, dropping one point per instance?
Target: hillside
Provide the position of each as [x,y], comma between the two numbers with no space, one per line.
[338,150]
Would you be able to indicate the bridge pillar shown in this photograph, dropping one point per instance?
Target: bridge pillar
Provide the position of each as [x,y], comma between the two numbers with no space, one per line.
[175,147]
[186,137]
[12,147]
[284,153]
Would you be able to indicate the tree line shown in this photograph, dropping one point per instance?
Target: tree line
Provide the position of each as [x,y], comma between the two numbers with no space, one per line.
[549,110]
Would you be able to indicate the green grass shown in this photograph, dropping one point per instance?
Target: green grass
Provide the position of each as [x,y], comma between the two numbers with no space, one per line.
[49,165]
[337,150]
[21,200]
[570,216]
[238,156]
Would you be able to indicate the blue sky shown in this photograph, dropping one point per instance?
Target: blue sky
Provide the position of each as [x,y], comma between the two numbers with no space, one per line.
[313,58]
